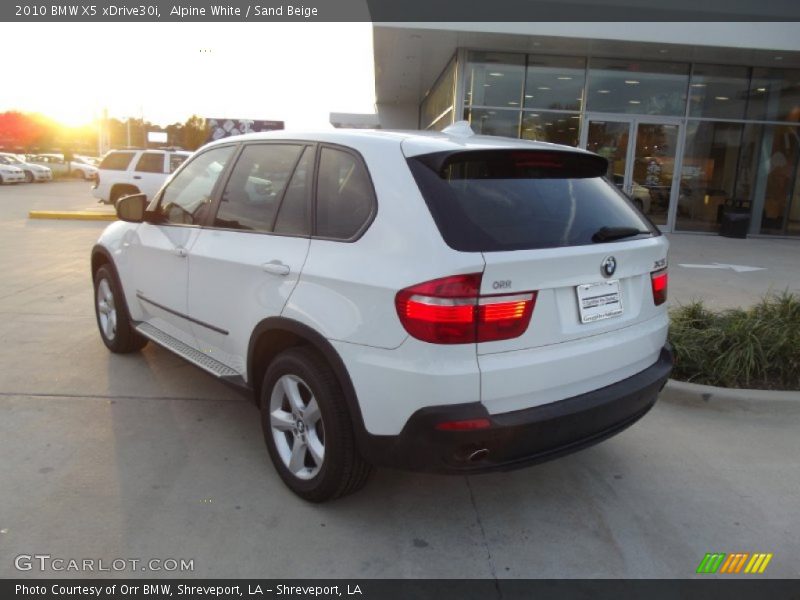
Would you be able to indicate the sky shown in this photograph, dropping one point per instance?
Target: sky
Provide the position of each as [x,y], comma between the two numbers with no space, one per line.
[294,72]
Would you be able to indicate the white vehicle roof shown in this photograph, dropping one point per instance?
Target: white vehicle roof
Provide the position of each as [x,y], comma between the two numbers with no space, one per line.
[413,143]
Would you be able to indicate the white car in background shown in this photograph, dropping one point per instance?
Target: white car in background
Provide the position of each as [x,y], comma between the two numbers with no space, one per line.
[59,166]
[11,174]
[31,171]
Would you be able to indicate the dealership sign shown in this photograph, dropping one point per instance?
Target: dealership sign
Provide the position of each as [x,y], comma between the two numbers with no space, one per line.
[221,128]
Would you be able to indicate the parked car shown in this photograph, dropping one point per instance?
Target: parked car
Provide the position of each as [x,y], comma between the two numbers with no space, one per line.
[31,171]
[59,166]
[434,301]
[10,174]
[89,160]
[125,172]
[639,194]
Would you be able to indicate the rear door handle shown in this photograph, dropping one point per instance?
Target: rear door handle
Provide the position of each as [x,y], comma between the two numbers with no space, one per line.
[276,267]
[180,251]
[137,176]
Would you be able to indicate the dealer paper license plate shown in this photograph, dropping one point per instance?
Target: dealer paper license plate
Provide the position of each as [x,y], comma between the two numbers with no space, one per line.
[597,301]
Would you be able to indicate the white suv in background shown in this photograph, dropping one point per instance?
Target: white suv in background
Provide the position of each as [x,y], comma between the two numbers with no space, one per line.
[433,301]
[125,172]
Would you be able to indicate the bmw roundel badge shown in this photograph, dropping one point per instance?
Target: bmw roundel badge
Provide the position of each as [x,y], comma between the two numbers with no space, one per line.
[608,266]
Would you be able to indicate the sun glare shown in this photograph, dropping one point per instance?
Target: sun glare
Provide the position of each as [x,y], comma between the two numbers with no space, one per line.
[166,72]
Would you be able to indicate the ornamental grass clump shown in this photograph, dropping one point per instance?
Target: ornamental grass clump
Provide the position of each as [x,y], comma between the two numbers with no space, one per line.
[758,347]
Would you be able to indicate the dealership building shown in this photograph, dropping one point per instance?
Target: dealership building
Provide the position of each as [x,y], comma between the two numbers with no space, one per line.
[699,121]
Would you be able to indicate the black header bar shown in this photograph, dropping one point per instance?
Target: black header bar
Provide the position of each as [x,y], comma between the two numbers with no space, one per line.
[260,11]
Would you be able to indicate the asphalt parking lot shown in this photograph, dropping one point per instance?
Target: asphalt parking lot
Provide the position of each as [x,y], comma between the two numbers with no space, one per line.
[145,456]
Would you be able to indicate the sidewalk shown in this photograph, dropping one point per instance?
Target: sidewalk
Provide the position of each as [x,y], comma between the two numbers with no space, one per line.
[719,269]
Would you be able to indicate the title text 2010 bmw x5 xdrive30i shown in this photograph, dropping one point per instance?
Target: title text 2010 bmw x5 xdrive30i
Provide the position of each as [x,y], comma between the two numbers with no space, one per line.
[442,302]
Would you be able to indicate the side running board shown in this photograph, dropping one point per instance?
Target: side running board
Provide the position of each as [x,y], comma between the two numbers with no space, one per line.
[194,356]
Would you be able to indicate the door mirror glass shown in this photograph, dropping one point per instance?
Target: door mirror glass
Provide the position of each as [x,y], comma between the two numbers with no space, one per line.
[131,208]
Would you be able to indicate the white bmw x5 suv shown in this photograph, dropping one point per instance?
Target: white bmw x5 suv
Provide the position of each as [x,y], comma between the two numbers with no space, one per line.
[434,301]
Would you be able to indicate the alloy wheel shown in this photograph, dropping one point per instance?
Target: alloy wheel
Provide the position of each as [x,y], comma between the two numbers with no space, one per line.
[106,310]
[297,427]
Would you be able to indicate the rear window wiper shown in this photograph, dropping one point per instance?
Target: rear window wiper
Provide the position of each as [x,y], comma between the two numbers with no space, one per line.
[607,234]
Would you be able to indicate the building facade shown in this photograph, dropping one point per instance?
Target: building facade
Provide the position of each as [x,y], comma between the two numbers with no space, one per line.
[696,119]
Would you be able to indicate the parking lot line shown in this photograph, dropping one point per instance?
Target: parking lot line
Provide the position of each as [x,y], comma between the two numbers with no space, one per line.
[72,215]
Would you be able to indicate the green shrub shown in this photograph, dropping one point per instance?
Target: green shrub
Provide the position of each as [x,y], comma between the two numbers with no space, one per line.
[758,347]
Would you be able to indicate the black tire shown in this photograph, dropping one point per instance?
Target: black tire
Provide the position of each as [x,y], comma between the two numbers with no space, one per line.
[343,470]
[120,191]
[121,338]
[28,177]
[1,180]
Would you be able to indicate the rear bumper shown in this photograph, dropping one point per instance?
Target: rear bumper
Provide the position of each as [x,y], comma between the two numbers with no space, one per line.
[522,437]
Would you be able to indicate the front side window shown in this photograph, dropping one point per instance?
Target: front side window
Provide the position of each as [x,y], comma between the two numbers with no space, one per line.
[151,162]
[187,198]
[344,195]
[256,186]
[116,161]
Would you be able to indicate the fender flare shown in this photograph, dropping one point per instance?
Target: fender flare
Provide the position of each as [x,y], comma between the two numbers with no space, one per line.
[324,347]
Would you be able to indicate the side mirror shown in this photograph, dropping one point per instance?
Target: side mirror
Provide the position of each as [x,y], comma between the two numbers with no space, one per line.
[131,208]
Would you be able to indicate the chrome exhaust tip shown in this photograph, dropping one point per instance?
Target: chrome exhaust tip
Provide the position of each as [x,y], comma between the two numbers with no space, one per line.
[478,455]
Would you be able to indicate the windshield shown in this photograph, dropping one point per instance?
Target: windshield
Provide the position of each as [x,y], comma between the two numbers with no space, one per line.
[10,160]
[486,201]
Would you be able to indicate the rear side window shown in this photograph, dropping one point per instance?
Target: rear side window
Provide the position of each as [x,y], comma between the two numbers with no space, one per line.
[116,161]
[345,199]
[151,162]
[488,201]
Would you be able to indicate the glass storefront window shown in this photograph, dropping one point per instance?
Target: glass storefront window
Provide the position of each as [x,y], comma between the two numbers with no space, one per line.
[555,82]
[487,121]
[718,92]
[557,128]
[494,79]
[637,87]
[709,175]
[777,179]
[775,95]
[439,100]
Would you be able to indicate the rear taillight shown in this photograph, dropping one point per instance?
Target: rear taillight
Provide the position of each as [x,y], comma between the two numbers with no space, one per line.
[659,280]
[451,310]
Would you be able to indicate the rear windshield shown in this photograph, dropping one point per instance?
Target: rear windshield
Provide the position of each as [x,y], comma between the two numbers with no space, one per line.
[488,201]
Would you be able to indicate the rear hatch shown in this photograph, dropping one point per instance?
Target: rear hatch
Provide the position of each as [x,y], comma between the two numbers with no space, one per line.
[548,224]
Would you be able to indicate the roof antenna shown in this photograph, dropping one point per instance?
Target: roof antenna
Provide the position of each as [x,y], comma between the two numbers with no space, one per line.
[459,128]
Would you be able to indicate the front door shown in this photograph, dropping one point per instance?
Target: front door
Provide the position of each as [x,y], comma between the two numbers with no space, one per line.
[641,154]
[160,250]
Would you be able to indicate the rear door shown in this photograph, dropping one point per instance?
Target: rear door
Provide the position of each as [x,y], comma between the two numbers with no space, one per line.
[550,229]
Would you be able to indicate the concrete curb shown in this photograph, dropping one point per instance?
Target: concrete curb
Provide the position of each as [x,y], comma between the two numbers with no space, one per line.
[73,215]
[684,391]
